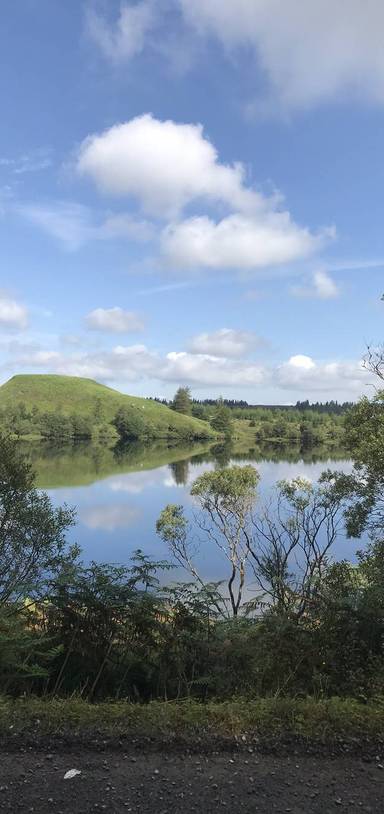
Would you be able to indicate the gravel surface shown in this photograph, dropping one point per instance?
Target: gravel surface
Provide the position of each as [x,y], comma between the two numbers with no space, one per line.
[161,783]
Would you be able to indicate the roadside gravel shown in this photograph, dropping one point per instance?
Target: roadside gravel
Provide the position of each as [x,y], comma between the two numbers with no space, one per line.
[181,783]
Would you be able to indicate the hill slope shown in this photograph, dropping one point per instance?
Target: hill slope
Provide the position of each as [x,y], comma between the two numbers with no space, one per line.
[70,395]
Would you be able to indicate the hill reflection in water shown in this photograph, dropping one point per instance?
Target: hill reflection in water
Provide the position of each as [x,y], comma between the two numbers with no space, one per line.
[119,494]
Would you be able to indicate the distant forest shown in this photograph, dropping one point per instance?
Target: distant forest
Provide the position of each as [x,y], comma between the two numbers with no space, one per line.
[303,423]
[334,407]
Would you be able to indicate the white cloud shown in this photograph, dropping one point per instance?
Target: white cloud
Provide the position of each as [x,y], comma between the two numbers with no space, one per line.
[225,342]
[302,373]
[123,39]
[301,362]
[13,315]
[310,51]
[322,287]
[238,241]
[165,165]
[114,320]
[130,363]
[209,371]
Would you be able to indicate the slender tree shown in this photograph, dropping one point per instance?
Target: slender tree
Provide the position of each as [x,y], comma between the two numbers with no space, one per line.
[222,419]
[224,500]
[182,401]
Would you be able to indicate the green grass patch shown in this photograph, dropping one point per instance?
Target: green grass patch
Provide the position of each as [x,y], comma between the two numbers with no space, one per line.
[324,721]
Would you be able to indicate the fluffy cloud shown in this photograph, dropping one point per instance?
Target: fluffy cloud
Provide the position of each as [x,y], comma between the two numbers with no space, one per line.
[238,242]
[310,51]
[225,342]
[114,320]
[13,315]
[209,371]
[302,373]
[322,287]
[164,165]
[124,39]
[137,362]
[128,363]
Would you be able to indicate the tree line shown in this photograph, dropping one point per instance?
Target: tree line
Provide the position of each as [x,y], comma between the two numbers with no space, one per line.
[332,406]
[306,425]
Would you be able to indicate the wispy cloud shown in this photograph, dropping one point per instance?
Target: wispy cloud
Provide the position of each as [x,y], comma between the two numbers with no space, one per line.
[34,161]
[74,224]
[124,38]
[355,265]
[163,289]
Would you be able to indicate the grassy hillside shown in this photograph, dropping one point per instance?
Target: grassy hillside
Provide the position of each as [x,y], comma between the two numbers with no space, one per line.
[70,395]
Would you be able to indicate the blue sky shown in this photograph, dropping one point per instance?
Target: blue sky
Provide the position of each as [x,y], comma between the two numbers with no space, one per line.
[191,193]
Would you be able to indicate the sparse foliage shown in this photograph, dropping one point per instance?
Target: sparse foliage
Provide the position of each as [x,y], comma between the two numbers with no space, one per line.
[291,543]
[225,499]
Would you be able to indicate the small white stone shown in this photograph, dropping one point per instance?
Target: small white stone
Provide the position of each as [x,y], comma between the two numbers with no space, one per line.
[71,773]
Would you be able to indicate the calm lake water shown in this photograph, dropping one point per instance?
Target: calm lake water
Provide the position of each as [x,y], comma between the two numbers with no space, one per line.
[118,497]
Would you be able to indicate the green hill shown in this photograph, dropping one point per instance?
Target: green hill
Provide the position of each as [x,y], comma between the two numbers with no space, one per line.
[35,395]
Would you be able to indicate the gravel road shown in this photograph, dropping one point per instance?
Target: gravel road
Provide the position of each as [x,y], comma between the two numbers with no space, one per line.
[160,783]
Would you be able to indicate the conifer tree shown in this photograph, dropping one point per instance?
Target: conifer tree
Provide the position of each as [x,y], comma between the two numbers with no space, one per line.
[222,419]
[182,401]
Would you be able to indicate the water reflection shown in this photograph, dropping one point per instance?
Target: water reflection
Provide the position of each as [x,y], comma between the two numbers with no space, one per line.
[119,494]
[180,471]
[83,464]
[109,518]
